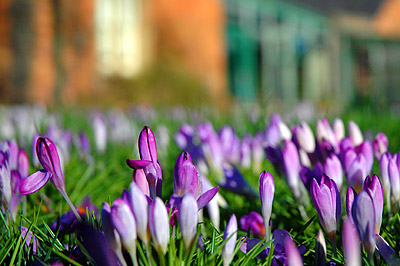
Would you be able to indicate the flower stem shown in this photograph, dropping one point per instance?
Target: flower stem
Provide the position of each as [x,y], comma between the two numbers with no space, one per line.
[73,208]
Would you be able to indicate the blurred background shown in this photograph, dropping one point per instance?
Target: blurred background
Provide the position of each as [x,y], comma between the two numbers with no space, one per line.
[330,54]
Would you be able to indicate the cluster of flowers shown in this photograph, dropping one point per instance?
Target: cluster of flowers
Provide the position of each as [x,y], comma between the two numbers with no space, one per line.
[312,165]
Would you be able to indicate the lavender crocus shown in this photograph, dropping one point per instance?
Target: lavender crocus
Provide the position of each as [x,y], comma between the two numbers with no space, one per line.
[159,225]
[355,133]
[350,197]
[110,233]
[333,169]
[356,169]
[254,223]
[124,222]
[292,252]
[363,212]
[338,129]
[291,163]
[267,190]
[380,145]
[326,200]
[188,219]
[351,244]
[374,186]
[48,156]
[185,176]
[139,204]
[230,235]
[305,137]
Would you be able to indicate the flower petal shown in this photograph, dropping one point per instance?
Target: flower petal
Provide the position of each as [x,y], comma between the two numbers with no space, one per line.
[34,182]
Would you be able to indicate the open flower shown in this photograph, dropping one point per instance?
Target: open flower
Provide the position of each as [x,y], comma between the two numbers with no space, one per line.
[148,162]
[48,157]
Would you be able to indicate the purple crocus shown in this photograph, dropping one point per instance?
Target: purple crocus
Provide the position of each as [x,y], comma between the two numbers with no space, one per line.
[292,252]
[338,129]
[185,176]
[29,237]
[148,162]
[333,169]
[254,223]
[374,186]
[159,225]
[48,157]
[305,137]
[326,200]
[291,163]
[363,212]
[230,235]
[355,133]
[356,169]
[110,233]
[384,169]
[380,145]
[350,197]
[267,190]
[351,244]
[124,222]
[188,219]
[140,206]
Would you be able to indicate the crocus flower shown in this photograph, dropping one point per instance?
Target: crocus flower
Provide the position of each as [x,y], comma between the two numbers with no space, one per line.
[350,197]
[230,144]
[267,190]
[326,138]
[139,204]
[394,178]
[320,249]
[355,133]
[384,170]
[5,186]
[148,161]
[29,237]
[365,148]
[356,169]
[230,235]
[48,156]
[333,169]
[235,182]
[363,212]
[380,145]
[185,176]
[211,146]
[213,205]
[338,129]
[291,163]
[100,132]
[245,152]
[110,233]
[351,244]
[326,200]
[305,137]
[188,219]
[254,223]
[159,225]
[307,175]
[124,222]
[292,252]
[373,185]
